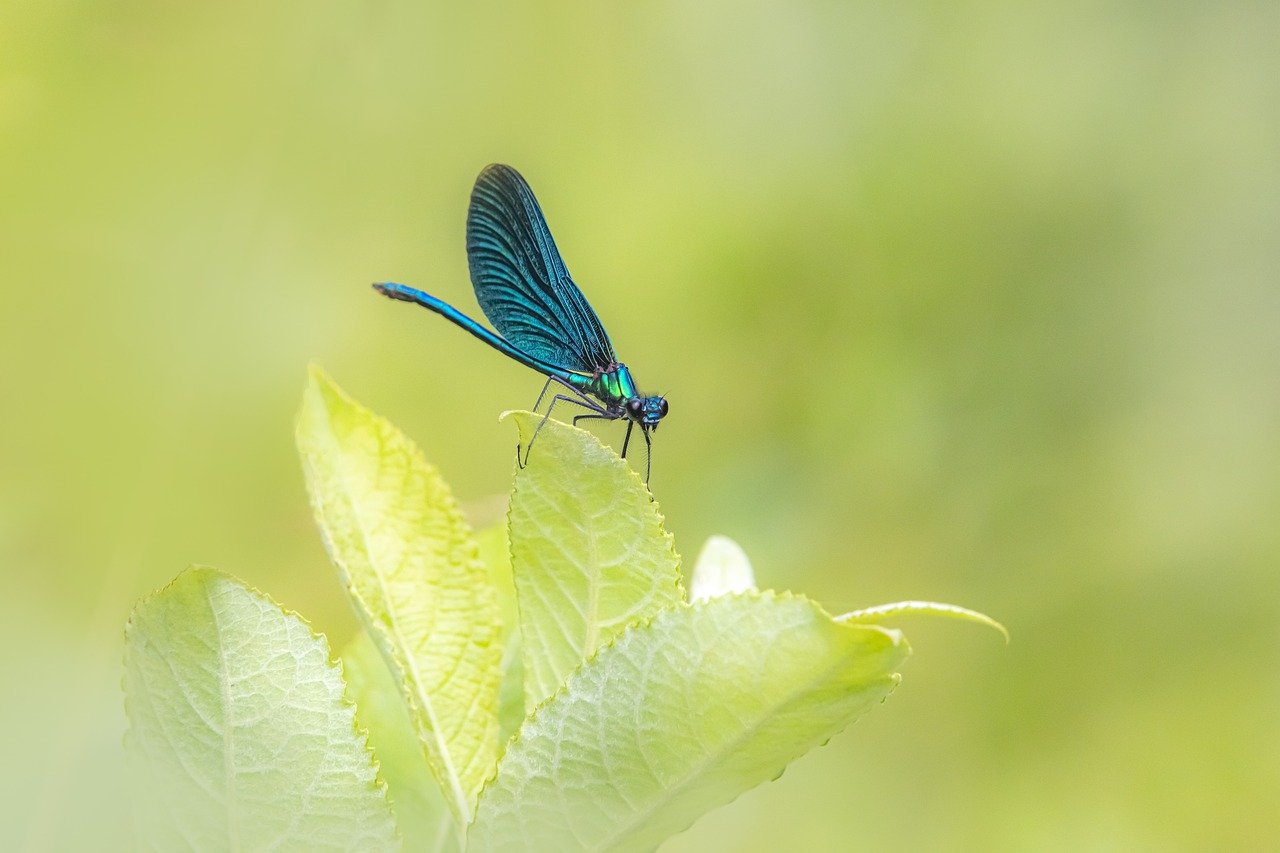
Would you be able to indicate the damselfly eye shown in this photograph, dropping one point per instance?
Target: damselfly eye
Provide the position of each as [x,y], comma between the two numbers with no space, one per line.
[635,405]
[663,407]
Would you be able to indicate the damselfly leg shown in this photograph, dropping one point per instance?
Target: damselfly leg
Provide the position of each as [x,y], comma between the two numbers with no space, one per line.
[648,456]
[627,440]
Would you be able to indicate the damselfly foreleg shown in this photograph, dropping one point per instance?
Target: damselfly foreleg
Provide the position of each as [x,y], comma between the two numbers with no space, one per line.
[626,441]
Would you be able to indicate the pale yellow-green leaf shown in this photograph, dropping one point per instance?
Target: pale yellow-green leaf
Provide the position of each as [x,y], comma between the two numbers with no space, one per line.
[240,737]
[496,553]
[412,570]
[425,822]
[588,549]
[885,612]
[680,715]
[721,568]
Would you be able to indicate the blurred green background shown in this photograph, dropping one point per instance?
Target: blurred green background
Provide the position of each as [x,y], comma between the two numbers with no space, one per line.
[975,302]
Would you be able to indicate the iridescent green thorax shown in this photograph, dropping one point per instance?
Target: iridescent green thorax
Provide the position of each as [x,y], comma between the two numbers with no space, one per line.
[614,386]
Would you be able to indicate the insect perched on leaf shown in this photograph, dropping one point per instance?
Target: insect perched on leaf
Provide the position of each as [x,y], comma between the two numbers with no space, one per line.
[542,319]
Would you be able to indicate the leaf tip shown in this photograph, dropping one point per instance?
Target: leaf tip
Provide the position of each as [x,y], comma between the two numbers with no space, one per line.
[525,421]
[722,567]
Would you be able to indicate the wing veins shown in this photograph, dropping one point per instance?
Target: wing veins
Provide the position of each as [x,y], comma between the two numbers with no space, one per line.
[521,281]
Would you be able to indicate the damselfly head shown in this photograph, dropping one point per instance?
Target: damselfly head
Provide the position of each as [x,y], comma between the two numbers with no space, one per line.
[647,411]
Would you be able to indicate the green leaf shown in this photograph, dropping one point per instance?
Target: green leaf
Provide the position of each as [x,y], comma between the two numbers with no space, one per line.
[511,711]
[496,553]
[588,548]
[722,568]
[421,813]
[884,612]
[411,568]
[678,716]
[240,737]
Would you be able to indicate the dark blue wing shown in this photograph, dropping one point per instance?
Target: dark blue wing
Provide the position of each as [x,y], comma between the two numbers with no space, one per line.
[521,282]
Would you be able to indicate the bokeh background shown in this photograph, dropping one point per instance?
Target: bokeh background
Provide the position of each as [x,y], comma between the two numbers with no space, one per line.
[975,302]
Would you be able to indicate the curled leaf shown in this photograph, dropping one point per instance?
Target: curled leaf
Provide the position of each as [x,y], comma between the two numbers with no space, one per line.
[884,612]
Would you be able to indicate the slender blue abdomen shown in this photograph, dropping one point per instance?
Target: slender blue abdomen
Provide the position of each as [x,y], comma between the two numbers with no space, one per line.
[453,315]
